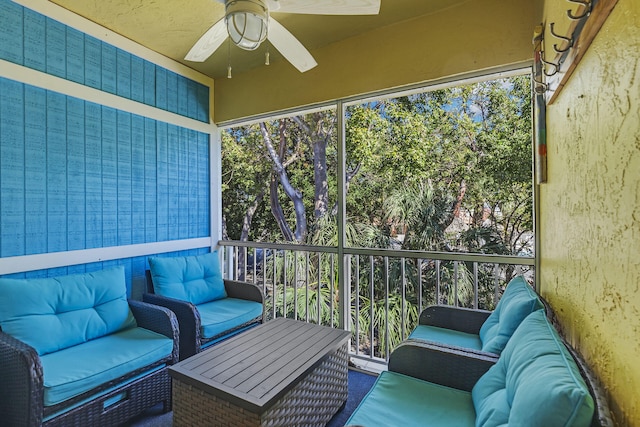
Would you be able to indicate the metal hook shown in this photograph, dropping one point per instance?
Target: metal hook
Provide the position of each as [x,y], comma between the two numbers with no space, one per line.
[587,9]
[569,40]
[540,87]
[547,63]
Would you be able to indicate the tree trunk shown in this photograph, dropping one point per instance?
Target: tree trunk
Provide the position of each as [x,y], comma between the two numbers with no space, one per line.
[457,204]
[248,216]
[348,178]
[320,177]
[294,195]
[277,211]
[244,234]
[225,234]
[319,134]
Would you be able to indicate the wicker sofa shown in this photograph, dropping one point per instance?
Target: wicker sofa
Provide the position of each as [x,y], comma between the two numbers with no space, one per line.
[479,331]
[537,381]
[208,307]
[75,351]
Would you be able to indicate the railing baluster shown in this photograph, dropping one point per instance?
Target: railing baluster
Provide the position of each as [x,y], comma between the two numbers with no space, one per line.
[255,270]
[455,283]
[437,281]
[274,283]
[371,307]
[475,285]
[356,321]
[306,286]
[419,272]
[331,288]
[234,275]
[404,299]
[264,275]
[244,263]
[284,284]
[319,292]
[386,308]
[295,285]
[496,284]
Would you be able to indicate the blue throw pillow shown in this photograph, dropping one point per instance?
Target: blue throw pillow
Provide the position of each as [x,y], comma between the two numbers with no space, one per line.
[196,279]
[54,313]
[518,301]
[535,382]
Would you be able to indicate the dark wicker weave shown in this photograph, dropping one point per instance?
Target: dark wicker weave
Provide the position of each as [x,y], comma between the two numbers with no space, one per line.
[440,365]
[191,339]
[458,319]
[312,402]
[22,391]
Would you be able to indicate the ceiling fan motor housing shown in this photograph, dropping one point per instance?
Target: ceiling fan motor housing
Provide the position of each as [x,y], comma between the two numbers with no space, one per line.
[247,22]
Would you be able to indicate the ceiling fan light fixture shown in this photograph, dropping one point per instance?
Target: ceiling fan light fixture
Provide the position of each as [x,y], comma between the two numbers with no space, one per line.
[247,22]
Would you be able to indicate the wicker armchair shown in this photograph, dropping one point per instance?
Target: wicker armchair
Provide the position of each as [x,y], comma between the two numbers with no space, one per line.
[111,403]
[538,380]
[194,332]
[478,331]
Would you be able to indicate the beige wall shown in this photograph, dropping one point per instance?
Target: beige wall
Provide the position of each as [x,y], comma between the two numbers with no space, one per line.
[459,40]
[590,208]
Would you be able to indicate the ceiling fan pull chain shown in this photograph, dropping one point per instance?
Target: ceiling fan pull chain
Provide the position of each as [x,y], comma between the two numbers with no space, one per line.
[266,57]
[229,59]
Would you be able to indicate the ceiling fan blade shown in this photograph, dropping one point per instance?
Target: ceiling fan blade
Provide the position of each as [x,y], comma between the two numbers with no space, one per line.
[290,47]
[208,43]
[326,7]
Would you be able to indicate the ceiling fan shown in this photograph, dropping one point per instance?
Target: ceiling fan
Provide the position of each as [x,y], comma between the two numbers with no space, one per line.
[248,24]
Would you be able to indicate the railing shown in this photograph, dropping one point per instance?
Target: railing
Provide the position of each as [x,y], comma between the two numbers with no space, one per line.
[386,289]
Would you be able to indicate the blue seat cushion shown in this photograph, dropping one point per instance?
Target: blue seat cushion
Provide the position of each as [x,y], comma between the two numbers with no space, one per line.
[225,314]
[535,382]
[75,370]
[54,313]
[446,336]
[400,400]
[517,302]
[196,279]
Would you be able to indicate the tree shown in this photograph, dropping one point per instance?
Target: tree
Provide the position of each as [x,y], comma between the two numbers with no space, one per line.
[245,178]
[445,170]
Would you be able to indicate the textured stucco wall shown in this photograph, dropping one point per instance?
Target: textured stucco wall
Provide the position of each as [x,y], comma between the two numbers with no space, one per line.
[590,208]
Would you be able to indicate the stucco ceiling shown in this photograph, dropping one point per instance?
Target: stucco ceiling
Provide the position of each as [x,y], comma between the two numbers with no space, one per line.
[171,27]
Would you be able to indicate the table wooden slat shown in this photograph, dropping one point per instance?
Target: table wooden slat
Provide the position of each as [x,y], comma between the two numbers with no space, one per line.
[254,369]
[293,350]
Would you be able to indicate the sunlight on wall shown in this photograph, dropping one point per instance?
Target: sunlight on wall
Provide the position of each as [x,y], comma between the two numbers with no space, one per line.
[590,220]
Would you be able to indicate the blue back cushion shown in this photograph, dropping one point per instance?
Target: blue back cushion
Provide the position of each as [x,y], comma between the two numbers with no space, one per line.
[196,279]
[58,312]
[518,301]
[535,382]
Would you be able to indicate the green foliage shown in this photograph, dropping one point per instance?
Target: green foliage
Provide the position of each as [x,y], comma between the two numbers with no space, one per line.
[246,171]
[424,212]
[386,324]
[461,154]
[446,170]
[313,305]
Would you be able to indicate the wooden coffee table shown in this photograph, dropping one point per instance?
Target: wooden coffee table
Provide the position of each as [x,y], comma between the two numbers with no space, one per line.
[281,373]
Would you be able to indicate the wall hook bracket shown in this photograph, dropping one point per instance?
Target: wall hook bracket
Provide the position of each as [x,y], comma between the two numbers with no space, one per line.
[587,9]
[548,64]
[568,40]
[540,87]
